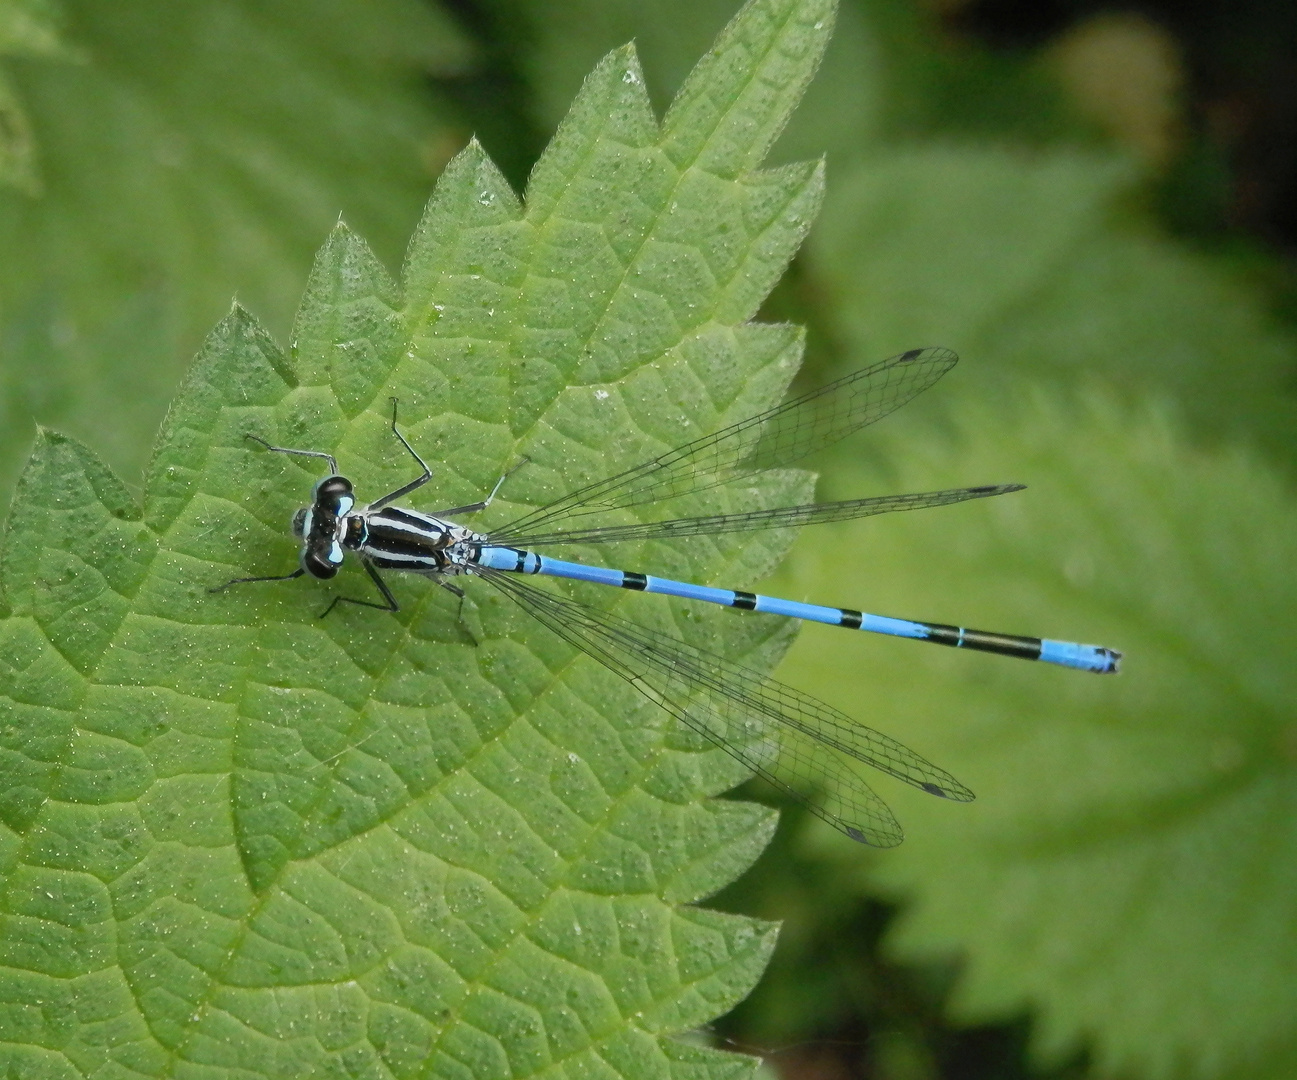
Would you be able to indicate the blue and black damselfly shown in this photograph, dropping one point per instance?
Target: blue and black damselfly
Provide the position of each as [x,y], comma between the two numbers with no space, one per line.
[789,738]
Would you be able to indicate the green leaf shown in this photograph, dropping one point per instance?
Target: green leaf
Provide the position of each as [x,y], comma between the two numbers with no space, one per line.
[241,840]
[194,151]
[1025,260]
[1127,869]
[1089,881]
[891,72]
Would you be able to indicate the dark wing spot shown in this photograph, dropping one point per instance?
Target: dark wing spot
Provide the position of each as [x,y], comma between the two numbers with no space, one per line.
[933,789]
[906,357]
[996,489]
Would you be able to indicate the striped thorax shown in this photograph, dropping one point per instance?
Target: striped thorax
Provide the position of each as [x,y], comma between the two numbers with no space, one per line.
[398,538]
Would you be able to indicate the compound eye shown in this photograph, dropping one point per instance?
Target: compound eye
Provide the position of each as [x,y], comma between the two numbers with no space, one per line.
[332,488]
[334,494]
[318,566]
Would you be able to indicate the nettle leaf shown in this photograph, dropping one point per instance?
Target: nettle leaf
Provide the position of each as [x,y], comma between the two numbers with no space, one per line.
[1128,869]
[1102,892]
[240,839]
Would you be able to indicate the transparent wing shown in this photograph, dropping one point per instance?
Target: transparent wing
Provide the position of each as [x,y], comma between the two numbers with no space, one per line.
[779,437]
[778,518]
[788,738]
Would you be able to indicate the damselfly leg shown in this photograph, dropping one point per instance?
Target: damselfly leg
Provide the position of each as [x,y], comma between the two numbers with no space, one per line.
[245,580]
[418,482]
[333,469]
[477,507]
[389,604]
[333,462]
[414,484]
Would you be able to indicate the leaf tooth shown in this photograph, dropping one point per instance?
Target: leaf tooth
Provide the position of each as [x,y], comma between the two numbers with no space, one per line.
[782,204]
[74,548]
[613,104]
[737,100]
[472,194]
[719,958]
[349,332]
[239,366]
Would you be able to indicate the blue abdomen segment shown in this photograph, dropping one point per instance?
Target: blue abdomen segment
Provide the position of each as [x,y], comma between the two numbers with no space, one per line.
[1069,654]
[1082,657]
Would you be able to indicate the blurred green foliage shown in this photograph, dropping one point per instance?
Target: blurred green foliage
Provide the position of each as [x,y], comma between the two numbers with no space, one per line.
[1123,890]
[184,153]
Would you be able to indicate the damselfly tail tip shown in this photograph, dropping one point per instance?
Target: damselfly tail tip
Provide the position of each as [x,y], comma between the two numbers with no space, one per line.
[1092,658]
[1113,658]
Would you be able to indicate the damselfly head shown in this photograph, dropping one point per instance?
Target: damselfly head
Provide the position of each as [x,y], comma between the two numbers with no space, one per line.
[321,525]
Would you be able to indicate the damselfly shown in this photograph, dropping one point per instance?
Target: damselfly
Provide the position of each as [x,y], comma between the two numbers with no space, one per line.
[789,738]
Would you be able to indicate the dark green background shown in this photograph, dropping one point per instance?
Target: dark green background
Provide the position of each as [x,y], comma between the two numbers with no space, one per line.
[1126,322]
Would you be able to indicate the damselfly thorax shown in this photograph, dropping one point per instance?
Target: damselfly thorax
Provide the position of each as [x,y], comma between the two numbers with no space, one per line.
[395,538]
